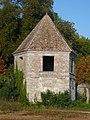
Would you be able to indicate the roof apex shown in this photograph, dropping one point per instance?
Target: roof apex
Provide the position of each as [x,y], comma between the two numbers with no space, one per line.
[44,37]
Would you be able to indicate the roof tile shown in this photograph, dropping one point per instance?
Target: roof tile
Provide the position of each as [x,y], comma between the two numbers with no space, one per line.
[44,37]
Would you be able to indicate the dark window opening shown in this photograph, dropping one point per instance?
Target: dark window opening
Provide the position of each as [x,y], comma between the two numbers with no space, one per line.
[21,58]
[48,63]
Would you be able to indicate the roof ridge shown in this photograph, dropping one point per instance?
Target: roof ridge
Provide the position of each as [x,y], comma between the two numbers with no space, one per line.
[59,34]
[36,31]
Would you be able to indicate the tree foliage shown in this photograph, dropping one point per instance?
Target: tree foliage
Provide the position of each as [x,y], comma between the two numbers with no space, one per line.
[12,86]
[9,30]
[2,66]
[82,47]
[83,70]
[32,12]
[66,28]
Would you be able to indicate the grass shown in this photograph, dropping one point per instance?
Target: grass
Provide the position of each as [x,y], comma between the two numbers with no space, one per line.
[17,106]
[10,105]
[11,110]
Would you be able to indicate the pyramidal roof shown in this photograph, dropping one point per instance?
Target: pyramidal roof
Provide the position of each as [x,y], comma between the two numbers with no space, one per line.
[44,37]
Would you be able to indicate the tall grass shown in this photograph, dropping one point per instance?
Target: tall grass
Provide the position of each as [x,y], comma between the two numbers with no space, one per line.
[10,105]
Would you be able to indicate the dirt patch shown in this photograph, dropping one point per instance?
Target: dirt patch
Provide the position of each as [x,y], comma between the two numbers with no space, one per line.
[45,115]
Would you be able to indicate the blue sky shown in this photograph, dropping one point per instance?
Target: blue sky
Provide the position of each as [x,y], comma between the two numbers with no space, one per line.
[76,11]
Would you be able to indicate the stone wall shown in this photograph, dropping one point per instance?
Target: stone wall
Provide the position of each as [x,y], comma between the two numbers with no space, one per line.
[37,80]
[72,72]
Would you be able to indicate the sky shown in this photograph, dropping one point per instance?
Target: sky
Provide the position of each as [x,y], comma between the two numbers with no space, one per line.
[76,11]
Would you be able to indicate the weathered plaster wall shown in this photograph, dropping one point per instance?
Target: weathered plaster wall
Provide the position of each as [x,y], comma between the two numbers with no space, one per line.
[37,80]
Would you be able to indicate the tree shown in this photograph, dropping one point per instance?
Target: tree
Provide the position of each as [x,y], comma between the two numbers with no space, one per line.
[66,28]
[83,73]
[82,47]
[9,30]
[33,11]
[83,70]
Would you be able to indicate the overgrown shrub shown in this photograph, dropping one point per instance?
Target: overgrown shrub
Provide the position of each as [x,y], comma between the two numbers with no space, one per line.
[8,89]
[53,99]
[12,86]
[81,97]
[79,105]
[62,100]
[21,86]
